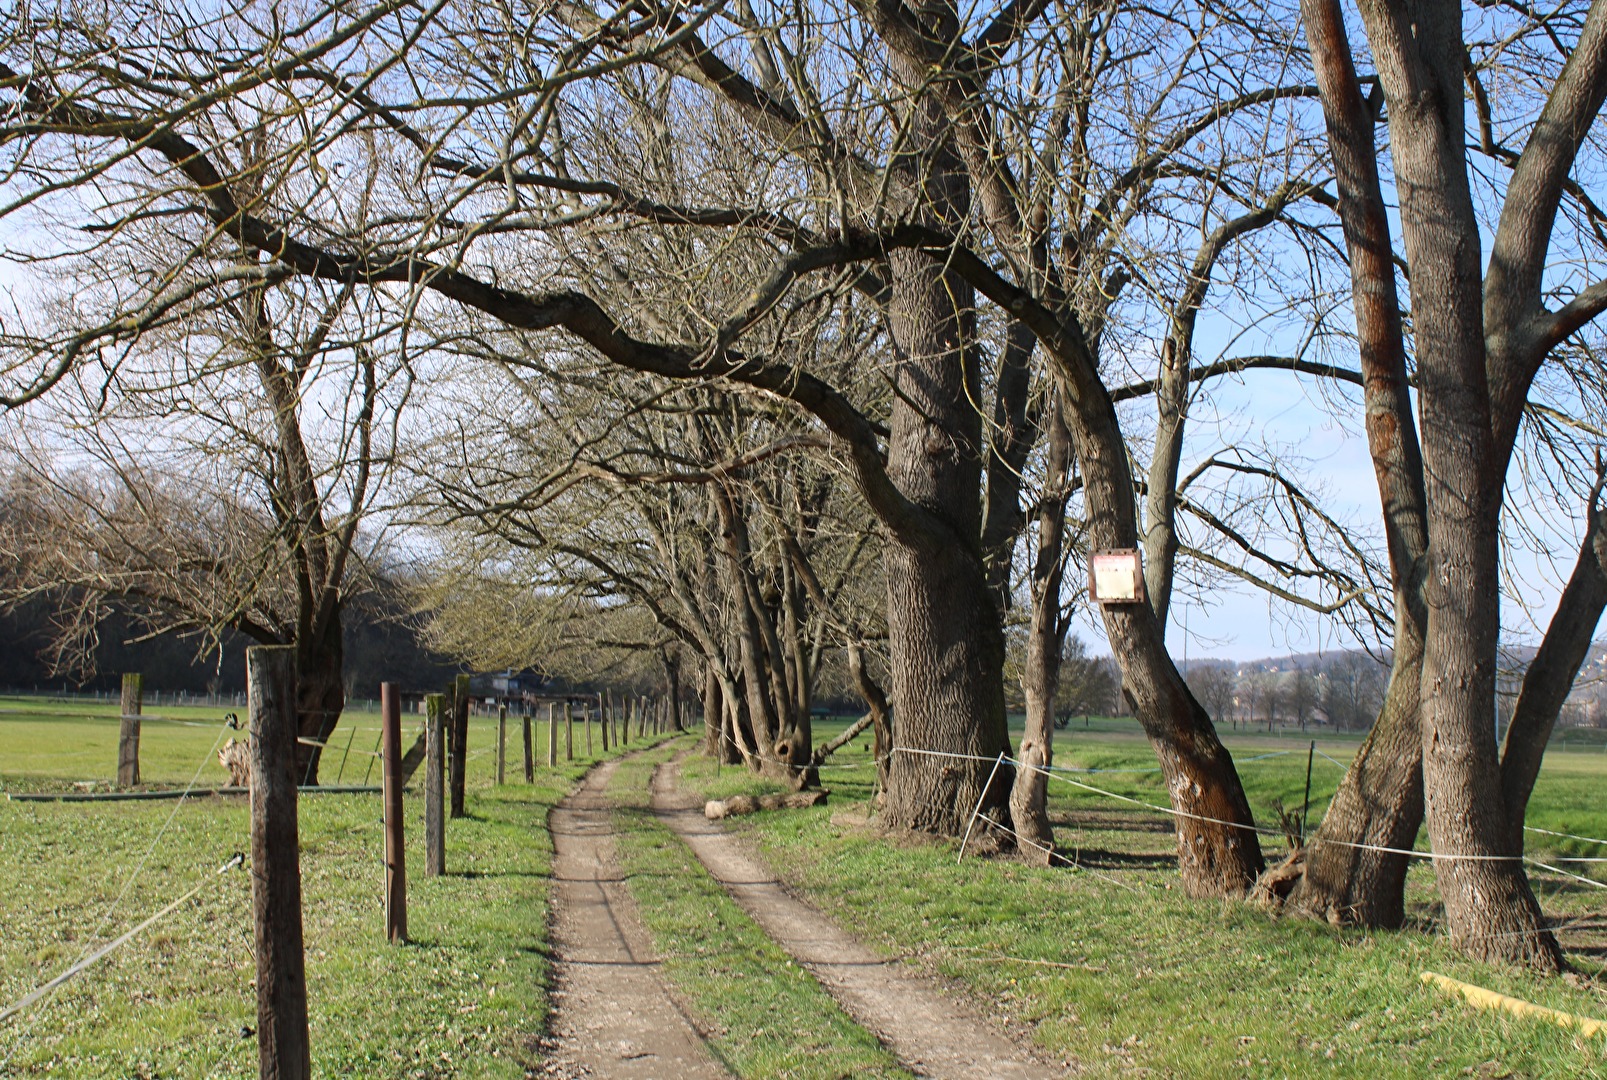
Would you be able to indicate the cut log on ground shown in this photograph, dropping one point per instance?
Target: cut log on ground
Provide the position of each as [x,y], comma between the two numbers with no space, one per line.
[715,809]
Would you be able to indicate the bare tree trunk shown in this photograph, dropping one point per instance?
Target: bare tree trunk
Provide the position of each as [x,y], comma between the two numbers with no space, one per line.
[671,659]
[945,637]
[320,692]
[880,714]
[1380,800]
[1010,443]
[457,766]
[1490,911]
[713,711]
[1219,853]
[1045,637]
[1379,804]
[947,670]
[1552,672]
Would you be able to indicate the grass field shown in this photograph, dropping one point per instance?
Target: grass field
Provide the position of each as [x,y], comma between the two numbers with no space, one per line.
[1118,970]
[467,997]
[1109,961]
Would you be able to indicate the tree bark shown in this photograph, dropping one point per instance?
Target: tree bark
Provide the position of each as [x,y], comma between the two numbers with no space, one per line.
[129,731]
[1552,672]
[1379,804]
[460,744]
[1380,801]
[881,716]
[320,689]
[1219,853]
[282,1043]
[945,637]
[1045,637]
[713,711]
[782,749]
[1011,442]
[1490,911]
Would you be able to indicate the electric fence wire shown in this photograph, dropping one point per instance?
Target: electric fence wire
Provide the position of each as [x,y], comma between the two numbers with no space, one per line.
[47,991]
[1434,856]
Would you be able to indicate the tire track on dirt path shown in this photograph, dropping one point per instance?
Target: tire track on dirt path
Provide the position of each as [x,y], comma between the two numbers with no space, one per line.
[614,1014]
[930,1032]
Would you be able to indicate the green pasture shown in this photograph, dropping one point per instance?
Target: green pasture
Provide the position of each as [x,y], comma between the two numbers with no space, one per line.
[1109,963]
[1116,969]
[51,742]
[466,997]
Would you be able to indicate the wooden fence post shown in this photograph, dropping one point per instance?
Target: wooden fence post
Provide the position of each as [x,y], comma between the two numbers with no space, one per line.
[390,710]
[434,768]
[460,741]
[502,742]
[585,716]
[552,734]
[283,1052]
[128,732]
[530,761]
[569,732]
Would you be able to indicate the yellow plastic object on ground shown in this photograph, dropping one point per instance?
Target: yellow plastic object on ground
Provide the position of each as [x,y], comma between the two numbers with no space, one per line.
[1489,999]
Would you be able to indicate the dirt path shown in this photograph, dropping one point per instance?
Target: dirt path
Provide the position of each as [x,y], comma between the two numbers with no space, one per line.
[930,1032]
[614,1015]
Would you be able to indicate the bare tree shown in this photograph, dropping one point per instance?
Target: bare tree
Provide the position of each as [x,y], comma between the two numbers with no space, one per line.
[216,478]
[1213,685]
[1480,339]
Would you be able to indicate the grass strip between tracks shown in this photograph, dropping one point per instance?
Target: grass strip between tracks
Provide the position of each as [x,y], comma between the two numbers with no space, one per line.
[764,1015]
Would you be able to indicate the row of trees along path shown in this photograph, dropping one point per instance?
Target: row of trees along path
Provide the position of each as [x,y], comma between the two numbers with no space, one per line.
[724,220]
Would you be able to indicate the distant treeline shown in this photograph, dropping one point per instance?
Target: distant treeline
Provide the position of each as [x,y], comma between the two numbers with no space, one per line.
[380,645]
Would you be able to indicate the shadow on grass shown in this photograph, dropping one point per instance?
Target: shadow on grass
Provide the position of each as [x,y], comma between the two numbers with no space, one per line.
[1103,859]
[1137,821]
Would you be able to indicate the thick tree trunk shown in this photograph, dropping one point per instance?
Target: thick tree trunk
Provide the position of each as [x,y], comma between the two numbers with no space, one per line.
[945,638]
[1045,636]
[1490,911]
[672,679]
[948,692]
[1379,804]
[320,692]
[713,714]
[1219,853]
[1380,801]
